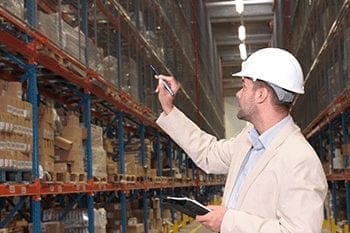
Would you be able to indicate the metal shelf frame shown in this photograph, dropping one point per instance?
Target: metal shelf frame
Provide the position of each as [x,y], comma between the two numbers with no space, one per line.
[73,77]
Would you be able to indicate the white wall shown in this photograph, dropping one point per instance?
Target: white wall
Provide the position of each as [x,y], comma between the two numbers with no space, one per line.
[232,125]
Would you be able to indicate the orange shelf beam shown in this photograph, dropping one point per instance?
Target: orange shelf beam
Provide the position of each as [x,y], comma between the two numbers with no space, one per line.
[40,189]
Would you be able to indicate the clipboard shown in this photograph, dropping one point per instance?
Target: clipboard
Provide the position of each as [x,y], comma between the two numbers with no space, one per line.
[186,205]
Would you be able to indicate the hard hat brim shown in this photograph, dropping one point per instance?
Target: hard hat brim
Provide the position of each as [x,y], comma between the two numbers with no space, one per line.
[238,74]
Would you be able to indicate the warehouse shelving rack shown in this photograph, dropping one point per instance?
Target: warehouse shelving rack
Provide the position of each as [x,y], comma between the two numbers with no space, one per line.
[72,83]
[320,41]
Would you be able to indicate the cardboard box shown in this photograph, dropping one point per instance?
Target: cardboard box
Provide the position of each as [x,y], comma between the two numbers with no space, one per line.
[138,228]
[63,143]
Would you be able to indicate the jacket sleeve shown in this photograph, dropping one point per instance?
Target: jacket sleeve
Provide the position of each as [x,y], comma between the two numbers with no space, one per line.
[210,154]
[299,206]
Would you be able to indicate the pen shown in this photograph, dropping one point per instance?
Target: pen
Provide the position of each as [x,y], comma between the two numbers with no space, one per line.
[163,81]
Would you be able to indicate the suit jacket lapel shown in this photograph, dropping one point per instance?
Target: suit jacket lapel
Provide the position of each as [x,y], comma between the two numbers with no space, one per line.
[265,158]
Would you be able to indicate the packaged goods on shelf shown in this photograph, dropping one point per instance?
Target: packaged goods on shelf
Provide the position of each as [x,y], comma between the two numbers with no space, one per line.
[338,163]
[74,133]
[95,55]
[96,136]
[15,107]
[11,159]
[75,220]
[16,7]
[15,125]
[99,168]
[50,227]
[48,24]
[108,68]
[114,217]
[46,138]
[13,89]
[137,228]
[129,80]
[100,220]
[73,41]
[99,155]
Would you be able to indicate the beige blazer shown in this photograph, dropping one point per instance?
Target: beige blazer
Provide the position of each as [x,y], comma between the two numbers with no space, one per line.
[285,190]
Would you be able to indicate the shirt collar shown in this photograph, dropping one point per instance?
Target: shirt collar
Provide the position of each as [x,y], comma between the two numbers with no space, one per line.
[262,141]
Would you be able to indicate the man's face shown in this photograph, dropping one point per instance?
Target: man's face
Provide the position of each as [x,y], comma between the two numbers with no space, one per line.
[245,96]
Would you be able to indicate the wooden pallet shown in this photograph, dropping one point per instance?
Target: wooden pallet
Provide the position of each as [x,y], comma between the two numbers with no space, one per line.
[113,178]
[124,178]
[16,176]
[64,177]
[101,179]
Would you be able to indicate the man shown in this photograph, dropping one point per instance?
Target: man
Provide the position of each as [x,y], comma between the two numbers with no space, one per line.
[275,180]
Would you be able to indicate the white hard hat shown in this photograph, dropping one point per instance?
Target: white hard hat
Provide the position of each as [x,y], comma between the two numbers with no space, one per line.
[275,66]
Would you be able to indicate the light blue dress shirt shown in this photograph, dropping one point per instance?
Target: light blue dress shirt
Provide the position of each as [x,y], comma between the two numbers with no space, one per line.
[259,145]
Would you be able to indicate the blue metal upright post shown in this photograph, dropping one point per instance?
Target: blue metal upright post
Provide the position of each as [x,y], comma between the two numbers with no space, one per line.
[347,199]
[120,133]
[159,167]
[145,210]
[88,142]
[33,99]
[31,6]
[170,153]
[88,158]
[144,192]
[344,124]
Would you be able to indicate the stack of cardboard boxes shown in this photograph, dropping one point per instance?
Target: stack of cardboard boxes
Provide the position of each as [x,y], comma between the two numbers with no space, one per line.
[133,163]
[70,158]
[16,133]
[111,165]
[46,139]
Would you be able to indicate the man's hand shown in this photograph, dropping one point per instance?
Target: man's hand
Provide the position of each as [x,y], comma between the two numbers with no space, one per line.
[213,219]
[165,99]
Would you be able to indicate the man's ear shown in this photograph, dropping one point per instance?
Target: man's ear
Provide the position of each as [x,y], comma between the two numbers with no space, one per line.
[261,94]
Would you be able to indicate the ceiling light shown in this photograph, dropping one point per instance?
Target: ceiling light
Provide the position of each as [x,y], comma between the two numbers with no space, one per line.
[241,33]
[243,51]
[239,6]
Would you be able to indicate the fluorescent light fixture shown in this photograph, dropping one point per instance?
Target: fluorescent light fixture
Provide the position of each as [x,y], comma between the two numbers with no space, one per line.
[239,6]
[243,51]
[241,33]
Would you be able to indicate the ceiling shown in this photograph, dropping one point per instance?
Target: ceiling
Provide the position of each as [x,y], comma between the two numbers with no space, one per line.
[257,18]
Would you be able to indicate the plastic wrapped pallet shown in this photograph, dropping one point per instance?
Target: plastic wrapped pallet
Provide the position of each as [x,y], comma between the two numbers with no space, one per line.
[48,24]
[76,220]
[95,55]
[73,41]
[108,68]
[129,79]
[99,158]
[99,155]
[100,220]
[16,7]
[96,136]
